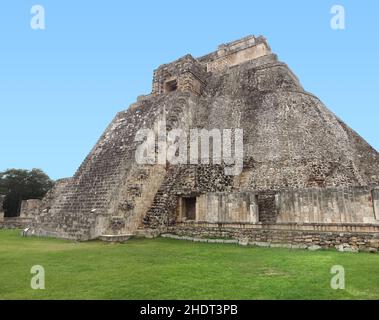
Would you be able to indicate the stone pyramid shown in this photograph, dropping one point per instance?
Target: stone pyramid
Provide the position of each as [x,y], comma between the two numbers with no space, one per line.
[292,144]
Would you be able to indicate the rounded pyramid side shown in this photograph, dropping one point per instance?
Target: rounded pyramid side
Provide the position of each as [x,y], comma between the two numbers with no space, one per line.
[291,139]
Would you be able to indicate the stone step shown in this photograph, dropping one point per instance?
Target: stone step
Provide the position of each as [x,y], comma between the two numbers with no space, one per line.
[115,237]
[146,233]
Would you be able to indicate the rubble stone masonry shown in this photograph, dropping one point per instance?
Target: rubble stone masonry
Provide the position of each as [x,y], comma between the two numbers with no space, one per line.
[307,177]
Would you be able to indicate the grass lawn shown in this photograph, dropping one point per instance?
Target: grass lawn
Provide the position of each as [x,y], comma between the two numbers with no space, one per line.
[171,269]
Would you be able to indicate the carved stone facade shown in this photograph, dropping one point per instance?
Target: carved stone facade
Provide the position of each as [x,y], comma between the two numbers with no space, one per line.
[236,52]
[307,177]
[185,74]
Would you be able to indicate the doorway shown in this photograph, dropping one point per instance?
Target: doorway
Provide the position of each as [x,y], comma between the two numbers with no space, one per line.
[189,208]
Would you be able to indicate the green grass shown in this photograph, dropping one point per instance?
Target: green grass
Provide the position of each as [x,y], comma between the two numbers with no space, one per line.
[172,269]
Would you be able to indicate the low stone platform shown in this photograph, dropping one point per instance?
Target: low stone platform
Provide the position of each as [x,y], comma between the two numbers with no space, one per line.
[247,242]
[14,223]
[147,233]
[343,237]
[115,237]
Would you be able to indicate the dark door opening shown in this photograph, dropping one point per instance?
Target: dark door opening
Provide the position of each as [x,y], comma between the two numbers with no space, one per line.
[189,206]
[11,206]
[170,86]
[267,209]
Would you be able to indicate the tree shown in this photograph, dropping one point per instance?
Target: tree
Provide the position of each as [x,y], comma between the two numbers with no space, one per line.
[18,185]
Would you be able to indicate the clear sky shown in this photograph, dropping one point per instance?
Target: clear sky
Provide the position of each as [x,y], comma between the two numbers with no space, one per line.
[60,87]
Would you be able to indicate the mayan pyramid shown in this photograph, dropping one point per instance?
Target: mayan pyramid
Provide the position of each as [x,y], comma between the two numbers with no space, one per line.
[293,146]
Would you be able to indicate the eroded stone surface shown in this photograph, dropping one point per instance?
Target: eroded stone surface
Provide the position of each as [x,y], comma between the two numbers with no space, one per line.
[302,165]
[2,199]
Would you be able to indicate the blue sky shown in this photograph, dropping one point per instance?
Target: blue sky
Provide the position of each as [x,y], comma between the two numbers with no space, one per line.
[60,87]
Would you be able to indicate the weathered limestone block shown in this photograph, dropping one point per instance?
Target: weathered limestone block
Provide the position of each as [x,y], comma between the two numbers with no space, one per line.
[375,199]
[328,205]
[225,207]
[254,211]
[237,52]
[30,208]
[2,199]
[243,242]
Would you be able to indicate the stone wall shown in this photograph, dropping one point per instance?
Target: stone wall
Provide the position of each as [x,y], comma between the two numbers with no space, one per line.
[227,207]
[185,74]
[328,205]
[30,208]
[354,205]
[341,218]
[235,53]
[2,199]
[16,222]
[313,236]
[375,198]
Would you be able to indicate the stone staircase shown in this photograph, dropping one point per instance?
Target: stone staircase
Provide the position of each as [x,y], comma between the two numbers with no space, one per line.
[137,197]
[145,187]
[163,199]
